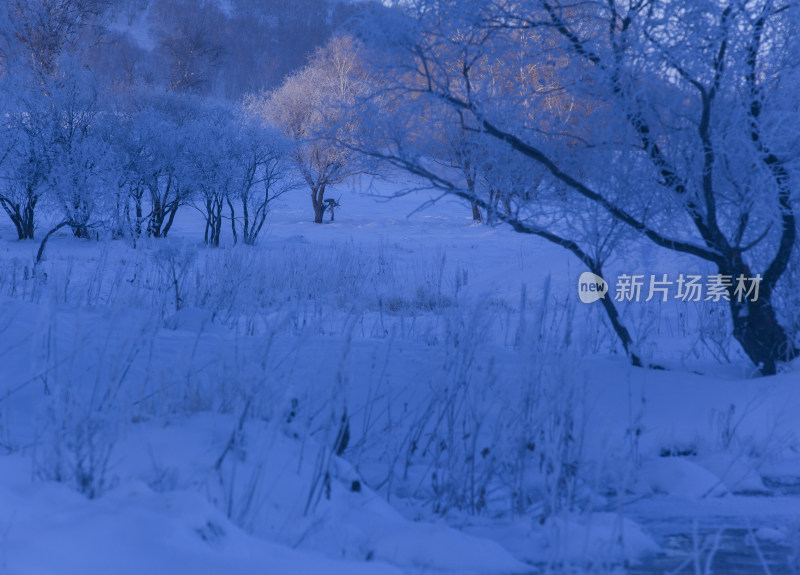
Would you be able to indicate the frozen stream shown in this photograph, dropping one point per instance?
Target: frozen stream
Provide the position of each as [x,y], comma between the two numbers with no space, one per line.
[726,530]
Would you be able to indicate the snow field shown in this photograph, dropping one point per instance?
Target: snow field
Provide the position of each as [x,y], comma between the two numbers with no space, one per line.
[377,395]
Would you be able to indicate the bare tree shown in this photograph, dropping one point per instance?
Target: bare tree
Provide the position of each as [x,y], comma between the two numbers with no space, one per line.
[37,32]
[191,42]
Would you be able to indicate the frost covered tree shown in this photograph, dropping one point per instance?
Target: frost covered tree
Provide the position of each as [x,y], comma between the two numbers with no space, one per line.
[264,173]
[82,160]
[235,163]
[212,142]
[49,105]
[314,103]
[57,152]
[454,145]
[24,167]
[670,119]
[158,172]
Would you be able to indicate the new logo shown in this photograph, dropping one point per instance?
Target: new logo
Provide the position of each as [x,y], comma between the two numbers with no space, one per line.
[591,287]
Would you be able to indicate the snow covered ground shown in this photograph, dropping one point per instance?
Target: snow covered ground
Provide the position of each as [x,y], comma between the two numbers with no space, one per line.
[399,391]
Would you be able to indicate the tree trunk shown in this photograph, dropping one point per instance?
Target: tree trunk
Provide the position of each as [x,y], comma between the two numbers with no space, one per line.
[170,219]
[80,231]
[248,236]
[755,323]
[217,223]
[13,211]
[156,219]
[622,332]
[476,213]
[491,213]
[613,315]
[18,225]
[317,199]
[233,222]
[27,229]
[138,201]
[756,328]
[596,268]
[209,222]
[27,218]
[40,253]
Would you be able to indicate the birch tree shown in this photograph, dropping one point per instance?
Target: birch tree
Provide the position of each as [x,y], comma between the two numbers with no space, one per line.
[315,103]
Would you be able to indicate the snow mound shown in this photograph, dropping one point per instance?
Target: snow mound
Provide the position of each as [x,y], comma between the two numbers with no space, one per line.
[444,549]
[133,530]
[681,477]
